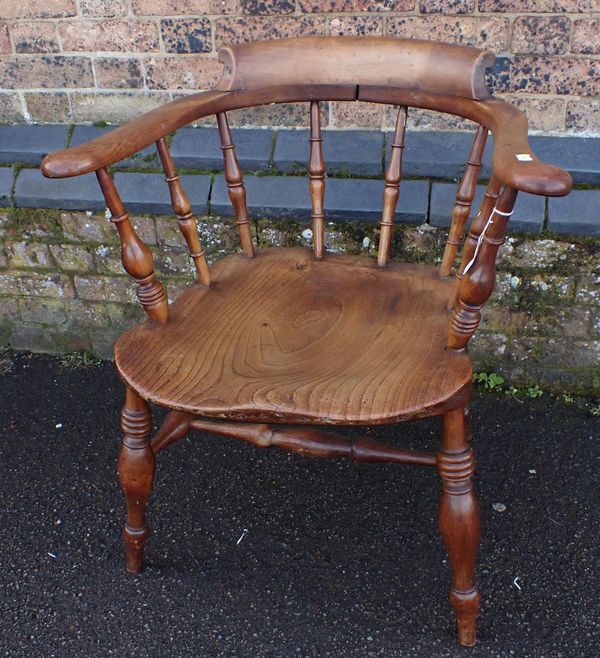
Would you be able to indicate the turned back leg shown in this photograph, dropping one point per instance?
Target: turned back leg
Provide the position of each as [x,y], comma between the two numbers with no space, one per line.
[459,521]
[136,473]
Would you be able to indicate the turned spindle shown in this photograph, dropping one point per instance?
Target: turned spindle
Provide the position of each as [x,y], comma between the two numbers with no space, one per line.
[464,200]
[316,173]
[479,273]
[135,254]
[183,211]
[391,191]
[235,184]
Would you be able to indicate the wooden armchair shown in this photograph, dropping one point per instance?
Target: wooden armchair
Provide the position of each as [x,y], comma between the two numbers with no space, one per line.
[287,336]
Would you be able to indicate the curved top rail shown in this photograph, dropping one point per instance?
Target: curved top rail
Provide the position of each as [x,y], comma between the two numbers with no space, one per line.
[427,66]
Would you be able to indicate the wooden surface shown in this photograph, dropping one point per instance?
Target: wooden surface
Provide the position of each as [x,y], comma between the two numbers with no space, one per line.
[438,68]
[284,337]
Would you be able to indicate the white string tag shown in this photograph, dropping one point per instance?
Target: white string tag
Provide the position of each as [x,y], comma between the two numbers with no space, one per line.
[489,222]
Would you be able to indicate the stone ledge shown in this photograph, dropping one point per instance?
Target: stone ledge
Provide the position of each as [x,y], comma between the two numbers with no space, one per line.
[577,214]
[6,184]
[29,144]
[35,191]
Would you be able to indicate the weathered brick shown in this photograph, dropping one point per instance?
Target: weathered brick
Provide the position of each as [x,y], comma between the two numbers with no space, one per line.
[45,71]
[3,258]
[108,259]
[276,115]
[38,9]
[543,114]
[483,32]
[84,227]
[182,72]
[11,109]
[89,314]
[186,35]
[236,30]
[583,116]
[538,6]
[9,283]
[356,115]
[35,37]
[53,340]
[588,290]
[49,107]
[45,285]
[547,75]
[183,7]
[585,36]
[115,107]
[541,35]
[9,308]
[262,7]
[110,35]
[145,228]
[428,120]
[327,6]
[119,73]
[124,316]
[174,261]
[108,289]
[356,26]
[446,6]
[4,39]
[72,258]
[103,8]
[28,254]
[42,311]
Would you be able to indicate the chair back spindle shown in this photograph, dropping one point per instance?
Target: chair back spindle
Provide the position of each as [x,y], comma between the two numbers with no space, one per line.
[464,199]
[316,172]
[479,272]
[183,211]
[235,184]
[135,254]
[391,191]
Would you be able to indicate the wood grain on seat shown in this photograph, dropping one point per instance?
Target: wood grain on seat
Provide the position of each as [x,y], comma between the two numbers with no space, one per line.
[285,337]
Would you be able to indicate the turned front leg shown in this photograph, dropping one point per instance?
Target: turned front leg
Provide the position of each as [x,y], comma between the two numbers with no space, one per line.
[459,521]
[136,473]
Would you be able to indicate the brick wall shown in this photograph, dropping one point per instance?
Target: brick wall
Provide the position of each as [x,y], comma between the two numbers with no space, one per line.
[92,60]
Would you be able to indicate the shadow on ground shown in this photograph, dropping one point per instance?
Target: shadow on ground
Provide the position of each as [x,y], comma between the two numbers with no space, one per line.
[339,560]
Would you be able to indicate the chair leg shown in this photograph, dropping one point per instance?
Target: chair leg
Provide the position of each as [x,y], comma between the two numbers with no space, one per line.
[136,473]
[459,521]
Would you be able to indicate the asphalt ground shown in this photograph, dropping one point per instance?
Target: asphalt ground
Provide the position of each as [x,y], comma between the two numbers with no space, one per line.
[338,559]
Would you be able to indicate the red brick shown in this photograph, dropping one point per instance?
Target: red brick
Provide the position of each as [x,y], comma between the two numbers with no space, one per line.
[486,32]
[49,71]
[110,35]
[356,26]
[446,6]
[357,115]
[237,30]
[10,107]
[539,6]
[104,8]
[38,8]
[326,6]
[541,35]
[186,35]
[583,117]
[182,72]
[585,36]
[266,7]
[119,73]
[115,107]
[427,120]
[35,37]
[278,115]
[4,40]
[183,7]
[544,114]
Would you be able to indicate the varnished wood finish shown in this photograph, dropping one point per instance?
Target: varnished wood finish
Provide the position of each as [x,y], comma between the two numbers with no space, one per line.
[316,173]
[136,473]
[135,255]
[235,184]
[286,338]
[391,192]
[464,199]
[183,211]
[459,521]
[438,68]
[478,283]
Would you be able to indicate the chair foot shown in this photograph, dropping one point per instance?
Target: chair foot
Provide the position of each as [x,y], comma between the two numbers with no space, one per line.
[459,521]
[136,474]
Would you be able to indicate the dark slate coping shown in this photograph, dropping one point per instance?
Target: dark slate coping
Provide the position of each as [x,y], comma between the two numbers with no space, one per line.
[6,183]
[438,154]
[200,148]
[345,199]
[357,152]
[578,155]
[29,144]
[147,157]
[149,193]
[35,191]
[576,214]
[528,215]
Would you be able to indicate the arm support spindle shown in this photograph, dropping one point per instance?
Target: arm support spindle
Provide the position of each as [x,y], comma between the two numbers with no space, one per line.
[316,172]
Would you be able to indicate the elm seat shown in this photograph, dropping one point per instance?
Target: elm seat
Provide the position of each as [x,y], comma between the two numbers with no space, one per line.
[251,346]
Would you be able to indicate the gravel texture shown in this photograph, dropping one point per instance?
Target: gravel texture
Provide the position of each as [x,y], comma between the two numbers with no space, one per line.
[339,559]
